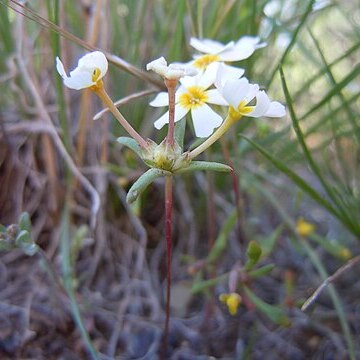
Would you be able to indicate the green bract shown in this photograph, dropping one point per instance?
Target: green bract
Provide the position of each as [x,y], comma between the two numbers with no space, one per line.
[164,160]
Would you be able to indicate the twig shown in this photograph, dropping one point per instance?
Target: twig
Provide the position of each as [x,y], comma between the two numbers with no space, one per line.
[125,100]
[328,281]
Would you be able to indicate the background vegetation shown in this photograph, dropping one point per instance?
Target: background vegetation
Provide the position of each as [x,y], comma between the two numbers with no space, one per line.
[87,291]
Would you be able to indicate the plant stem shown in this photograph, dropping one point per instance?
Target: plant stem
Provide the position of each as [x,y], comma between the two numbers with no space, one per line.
[101,92]
[168,235]
[171,86]
[215,136]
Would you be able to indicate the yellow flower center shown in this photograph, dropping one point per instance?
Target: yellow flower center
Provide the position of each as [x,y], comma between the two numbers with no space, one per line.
[242,110]
[96,74]
[204,61]
[194,97]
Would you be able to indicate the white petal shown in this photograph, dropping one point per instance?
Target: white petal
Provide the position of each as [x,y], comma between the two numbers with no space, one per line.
[95,59]
[206,45]
[186,70]
[215,98]
[180,112]
[243,49]
[161,99]
[252,92]
[207,78]
[205,120]
[225,73]
[158,65]
[276,110]
[262,105]
[79,79]
[188,81]
[157,62]
[235,91]
[60,68]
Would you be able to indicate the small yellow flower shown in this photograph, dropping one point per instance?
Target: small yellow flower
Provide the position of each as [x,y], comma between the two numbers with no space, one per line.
[232,301]
[345,253]
[304,228]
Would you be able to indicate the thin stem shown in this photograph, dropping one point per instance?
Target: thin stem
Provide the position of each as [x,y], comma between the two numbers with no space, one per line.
[328,281]
[171,86]
[215,136]
[168,235]
[101,92]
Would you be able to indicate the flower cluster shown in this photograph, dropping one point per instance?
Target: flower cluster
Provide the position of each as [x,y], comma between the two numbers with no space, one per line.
[205,81]
[216,83]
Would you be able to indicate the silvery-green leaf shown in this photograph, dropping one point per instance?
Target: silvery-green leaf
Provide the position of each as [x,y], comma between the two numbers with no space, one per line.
[23,238]
[143,182]
[131,144]
[180,132]
[205,165]
[24,222]
[25,243]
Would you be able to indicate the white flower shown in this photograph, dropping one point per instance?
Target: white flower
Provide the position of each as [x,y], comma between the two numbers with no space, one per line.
[217,52]
[91,68]
[246,99]
[172,71]
[193,96]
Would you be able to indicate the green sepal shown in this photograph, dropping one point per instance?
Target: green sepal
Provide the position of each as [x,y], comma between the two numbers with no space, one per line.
[2,228]
[143,182]
[131,144]
[274,313]
[253,253]
[24,222]
[264,270]
[204,165]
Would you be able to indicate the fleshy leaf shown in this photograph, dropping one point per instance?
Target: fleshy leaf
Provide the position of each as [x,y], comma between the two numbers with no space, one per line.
[180,132]
[264,270]
[204,165]
[274,313]
[143,182]
[131,144]
[24,222]
[25,243]
[253,253]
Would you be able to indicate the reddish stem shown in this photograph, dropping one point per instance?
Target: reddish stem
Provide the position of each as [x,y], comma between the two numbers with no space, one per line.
[171,86]
[236,188]
[168,235]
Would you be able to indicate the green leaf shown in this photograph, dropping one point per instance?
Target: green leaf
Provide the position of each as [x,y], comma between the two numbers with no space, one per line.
[25,243]
[131,144]
[253,253]
[221,241]
[202,285]
[25,222]
[340,210]
[301,183]
[264,270]
[206,166]
[179,134]
[274,313]
[267,243]
[143,182]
